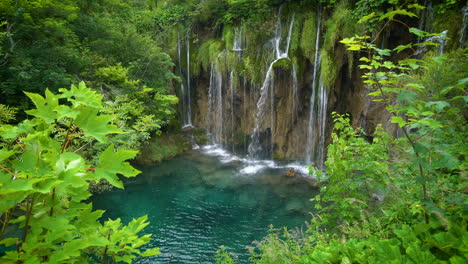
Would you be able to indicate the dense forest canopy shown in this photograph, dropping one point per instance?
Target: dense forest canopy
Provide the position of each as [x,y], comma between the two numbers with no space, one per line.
[386,196]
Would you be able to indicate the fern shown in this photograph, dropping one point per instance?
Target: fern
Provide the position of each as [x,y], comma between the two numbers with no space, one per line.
[7,113]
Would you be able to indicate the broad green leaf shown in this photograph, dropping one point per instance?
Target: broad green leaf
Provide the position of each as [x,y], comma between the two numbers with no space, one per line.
[136,225]
[94,125]
[399,120]
[439,105]
[447,161]
[112,163]
[406,96]
[69,161]
[5,154]
[416,86]
[9,241]
[151,252]
[82,96]
[390,15]
[45,107]
[400,48]
[421,147]
[427,43]
[416,6]
[364,59]
[28,162]
[366,18]
[19,185]
[418,32]
[66,111]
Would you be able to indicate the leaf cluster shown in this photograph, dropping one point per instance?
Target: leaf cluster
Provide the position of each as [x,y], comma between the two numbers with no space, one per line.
[44,185]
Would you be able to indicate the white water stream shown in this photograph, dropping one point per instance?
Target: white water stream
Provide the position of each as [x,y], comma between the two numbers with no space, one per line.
[315,148]
[257,148]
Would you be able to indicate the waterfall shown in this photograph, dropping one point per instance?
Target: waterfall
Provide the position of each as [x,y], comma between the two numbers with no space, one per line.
[238,44]
[256,148]
[425,23]
[219,107]
[321,118]
[441,39]
[315,148]
[464,27]
[214,115]
[189,105]
[231,88]
[182,87]
[295,94]
[209,125]
[426,17]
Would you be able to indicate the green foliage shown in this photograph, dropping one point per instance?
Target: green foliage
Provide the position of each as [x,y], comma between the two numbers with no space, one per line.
[357,171]
[54,43]
[280,246]
[44,186]
[308,36]
[162,147]
[339,26]
[389,200]
[285,64]
[7,114]
[209,52]
[223,257]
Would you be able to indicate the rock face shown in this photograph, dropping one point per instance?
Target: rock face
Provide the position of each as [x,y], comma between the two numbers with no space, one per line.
[251,90]
[230,106]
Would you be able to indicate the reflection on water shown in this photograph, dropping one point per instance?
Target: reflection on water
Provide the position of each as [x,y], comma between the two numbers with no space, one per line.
[196,203]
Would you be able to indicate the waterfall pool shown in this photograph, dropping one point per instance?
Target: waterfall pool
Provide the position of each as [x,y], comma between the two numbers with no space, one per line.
[196,203]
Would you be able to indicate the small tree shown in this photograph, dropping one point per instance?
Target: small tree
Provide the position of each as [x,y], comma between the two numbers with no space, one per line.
[44,185]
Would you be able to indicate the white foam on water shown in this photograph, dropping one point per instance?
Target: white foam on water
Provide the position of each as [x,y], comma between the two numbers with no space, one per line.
[252,166]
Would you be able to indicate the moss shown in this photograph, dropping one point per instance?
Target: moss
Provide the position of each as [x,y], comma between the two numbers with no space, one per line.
[254,68]
[308,36]
[296,34]
[339,26]
[171,37]
[285,64]
[350,57]
[449,21]
[328,68]
[208,52]
[259,33]
[300,64]
[228,36]
[162,147]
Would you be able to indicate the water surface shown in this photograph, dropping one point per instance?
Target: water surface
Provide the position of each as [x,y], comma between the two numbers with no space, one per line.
[196,203]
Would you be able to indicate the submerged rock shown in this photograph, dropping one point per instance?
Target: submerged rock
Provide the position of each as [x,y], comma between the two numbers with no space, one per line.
[291,172]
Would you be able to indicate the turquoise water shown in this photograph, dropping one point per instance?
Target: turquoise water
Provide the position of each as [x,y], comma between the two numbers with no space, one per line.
[196,203]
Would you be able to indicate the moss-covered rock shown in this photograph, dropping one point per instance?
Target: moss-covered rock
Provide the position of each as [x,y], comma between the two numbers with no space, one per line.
[162,147]
[284,63]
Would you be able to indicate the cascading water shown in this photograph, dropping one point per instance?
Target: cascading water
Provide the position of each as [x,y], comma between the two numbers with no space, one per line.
[186,107]
[256,149]
[464,28]
[440,39]
[426,17]
[219,122]
[295,94]
[232,92]
[219,107]
[182,87]
[214,118]
[425,23]
[189,106]
[238,44]
[209,123]
[315,148]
